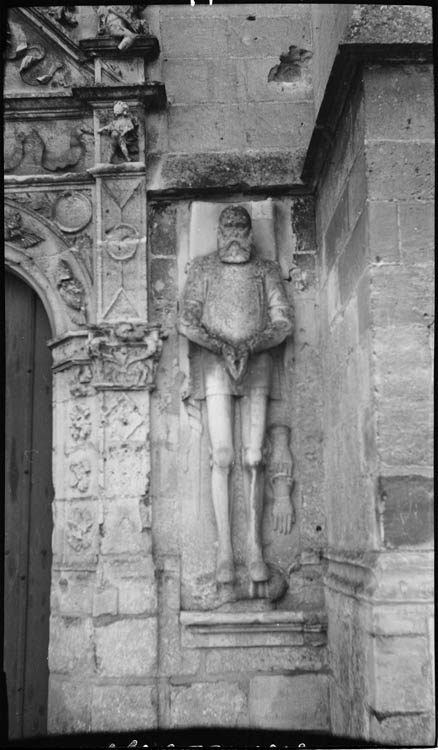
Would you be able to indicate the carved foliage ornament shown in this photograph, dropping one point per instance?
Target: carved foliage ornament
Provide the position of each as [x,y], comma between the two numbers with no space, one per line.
[71,291]
[125,356]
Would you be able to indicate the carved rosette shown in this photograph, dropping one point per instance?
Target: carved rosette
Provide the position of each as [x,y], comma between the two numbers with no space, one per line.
[125,357]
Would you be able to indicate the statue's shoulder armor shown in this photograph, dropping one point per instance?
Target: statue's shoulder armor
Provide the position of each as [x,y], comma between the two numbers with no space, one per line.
[265,267]
[202,263]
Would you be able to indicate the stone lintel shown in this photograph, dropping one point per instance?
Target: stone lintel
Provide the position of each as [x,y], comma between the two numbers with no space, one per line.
[351,57]
[249,172]
[151,95]
[142,46]
[240,629]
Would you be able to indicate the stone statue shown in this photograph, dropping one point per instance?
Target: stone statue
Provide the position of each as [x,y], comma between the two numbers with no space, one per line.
[122,22]
[234,307]
[122,130]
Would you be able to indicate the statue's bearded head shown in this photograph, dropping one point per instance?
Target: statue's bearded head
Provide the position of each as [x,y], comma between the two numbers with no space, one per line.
[234,235]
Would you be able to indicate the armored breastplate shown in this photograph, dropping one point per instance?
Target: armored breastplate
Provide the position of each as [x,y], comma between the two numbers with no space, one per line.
[234,307]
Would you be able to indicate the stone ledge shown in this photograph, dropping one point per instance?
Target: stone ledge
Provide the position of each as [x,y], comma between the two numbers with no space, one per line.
[237,629]
[151,94]
[142,46]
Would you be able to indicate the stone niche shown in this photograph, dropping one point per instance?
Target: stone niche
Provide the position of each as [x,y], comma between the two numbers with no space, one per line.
[242,626]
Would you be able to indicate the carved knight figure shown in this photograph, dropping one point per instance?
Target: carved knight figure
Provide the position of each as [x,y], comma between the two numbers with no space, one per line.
[121,130]
[234,308]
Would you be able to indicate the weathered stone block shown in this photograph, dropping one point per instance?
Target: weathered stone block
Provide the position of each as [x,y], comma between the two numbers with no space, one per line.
[401,296]
[163,284]
[126,469]
[216,704]
[162,228]
[265,81]
[357,188]
[337,231]
[121,531]
[266,659]
[119,708]
[405,434]
[401,671]
[71,645]
[353,260]
[105,601]
[417,232]
[194,37]
[408,510]
[400,170]
[237,169]
[383,231]
[399,102]
[292,702]
[275,125]
[69,708]
[191,81]
[410,730]
[72,593]
[214,127]
[403,369]
[261,36]
[127,648]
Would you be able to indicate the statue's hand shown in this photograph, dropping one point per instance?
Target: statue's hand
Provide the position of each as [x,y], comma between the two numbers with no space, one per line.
[283,515]
[236,361]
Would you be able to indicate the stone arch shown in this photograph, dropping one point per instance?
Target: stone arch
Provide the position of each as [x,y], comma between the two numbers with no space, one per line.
[36,255]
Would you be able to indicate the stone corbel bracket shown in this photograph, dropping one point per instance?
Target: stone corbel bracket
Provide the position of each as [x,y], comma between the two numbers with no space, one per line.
[125,356]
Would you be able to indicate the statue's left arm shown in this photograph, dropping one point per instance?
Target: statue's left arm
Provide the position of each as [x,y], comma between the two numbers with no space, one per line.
[280,321]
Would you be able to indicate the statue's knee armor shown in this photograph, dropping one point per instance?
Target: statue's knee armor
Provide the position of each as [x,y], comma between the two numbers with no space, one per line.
[252,458]
[223,456]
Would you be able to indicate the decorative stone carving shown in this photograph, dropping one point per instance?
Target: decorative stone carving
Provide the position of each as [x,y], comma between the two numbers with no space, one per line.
[72,211]
[235,311]
[71,290]
[279,477]
[36,68]
[80,476]
[29,149]
[80,383]
[123,131]
[13,157]
[122,419]
[79,530]
[70,156]
[16,233]
[121,22]
[125,357]
[80,423]
[62,14]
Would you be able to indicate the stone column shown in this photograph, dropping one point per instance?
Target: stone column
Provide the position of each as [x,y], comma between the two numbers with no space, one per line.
[103,650]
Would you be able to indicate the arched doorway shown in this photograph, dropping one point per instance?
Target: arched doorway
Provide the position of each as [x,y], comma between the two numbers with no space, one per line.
[28,511]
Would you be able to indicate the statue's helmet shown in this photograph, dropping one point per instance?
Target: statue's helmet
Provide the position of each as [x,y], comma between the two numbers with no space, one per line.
[235,216]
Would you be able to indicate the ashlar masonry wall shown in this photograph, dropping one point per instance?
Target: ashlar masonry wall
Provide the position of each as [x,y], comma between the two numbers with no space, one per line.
[374,219]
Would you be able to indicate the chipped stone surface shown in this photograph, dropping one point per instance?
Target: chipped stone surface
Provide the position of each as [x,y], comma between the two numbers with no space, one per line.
[119,708]
[292,702]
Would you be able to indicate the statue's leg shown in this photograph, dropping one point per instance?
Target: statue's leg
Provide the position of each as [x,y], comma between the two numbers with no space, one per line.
[253,412]
[220,427]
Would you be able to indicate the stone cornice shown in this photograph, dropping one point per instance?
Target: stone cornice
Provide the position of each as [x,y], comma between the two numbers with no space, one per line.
[152,94]
[346,68]
[142,46]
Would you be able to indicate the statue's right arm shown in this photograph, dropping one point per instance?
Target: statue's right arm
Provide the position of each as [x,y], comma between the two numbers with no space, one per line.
[190,313]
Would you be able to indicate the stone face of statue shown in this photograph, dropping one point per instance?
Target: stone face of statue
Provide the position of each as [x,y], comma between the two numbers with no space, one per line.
[234,238]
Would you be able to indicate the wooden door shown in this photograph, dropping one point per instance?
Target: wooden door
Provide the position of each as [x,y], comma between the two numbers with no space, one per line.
[28,513]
